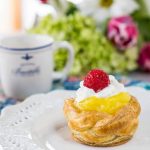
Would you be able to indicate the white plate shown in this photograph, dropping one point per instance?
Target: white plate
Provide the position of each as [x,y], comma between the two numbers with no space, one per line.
[38,124]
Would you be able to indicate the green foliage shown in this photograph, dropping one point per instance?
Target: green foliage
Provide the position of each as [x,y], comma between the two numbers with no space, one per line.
[142,18]
[143,24]
[142,11]
[92,49]
[71,9]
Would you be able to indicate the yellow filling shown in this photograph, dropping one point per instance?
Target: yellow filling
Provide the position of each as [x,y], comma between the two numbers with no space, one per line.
[109,105]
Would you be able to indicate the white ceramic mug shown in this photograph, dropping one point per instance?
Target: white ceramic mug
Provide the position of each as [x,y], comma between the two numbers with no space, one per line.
[26,64]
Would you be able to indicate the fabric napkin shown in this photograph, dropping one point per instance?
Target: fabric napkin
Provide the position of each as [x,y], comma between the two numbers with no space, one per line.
[72,84]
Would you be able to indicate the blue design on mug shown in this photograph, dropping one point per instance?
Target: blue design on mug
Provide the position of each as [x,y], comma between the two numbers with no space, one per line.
[27,57]
[30,72]
[28,69]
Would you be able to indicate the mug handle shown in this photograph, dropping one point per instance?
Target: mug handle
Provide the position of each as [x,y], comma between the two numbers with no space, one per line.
[62,74]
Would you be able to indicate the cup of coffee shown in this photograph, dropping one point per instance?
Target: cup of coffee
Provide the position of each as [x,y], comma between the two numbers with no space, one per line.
[27,64]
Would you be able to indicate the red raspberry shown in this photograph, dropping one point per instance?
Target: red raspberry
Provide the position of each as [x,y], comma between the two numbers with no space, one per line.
[97,80]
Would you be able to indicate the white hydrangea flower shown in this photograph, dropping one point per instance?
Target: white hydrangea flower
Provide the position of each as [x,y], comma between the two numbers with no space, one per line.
[101,13]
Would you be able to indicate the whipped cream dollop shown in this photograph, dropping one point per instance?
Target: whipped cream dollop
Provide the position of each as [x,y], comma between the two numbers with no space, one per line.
[112,89]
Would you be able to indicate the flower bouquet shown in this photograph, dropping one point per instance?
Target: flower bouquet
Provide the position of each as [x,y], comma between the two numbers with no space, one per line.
[106,34]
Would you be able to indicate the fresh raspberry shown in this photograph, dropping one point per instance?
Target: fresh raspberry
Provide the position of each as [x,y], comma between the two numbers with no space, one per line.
[97,80]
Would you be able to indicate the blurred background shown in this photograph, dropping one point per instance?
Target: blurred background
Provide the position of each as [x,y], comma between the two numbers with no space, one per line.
[113,34]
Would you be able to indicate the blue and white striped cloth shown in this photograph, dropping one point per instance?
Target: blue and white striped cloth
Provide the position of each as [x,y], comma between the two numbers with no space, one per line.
[72,85]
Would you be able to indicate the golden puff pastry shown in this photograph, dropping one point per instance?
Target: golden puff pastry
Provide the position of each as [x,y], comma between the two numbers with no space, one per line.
[102,129]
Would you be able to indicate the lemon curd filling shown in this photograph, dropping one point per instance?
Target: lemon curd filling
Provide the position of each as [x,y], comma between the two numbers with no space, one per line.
[109,105]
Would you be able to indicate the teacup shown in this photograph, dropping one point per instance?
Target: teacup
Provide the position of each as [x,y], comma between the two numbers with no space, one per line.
[27,65]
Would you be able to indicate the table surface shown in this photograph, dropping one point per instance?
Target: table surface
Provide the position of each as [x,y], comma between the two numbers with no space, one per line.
[140,76]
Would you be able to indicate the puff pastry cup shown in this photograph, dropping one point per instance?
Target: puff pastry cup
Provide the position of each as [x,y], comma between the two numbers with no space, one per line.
[102,129]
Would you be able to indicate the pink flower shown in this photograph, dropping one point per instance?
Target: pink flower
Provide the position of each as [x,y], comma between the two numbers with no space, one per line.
[44,1]
[123,32]
[144,57]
